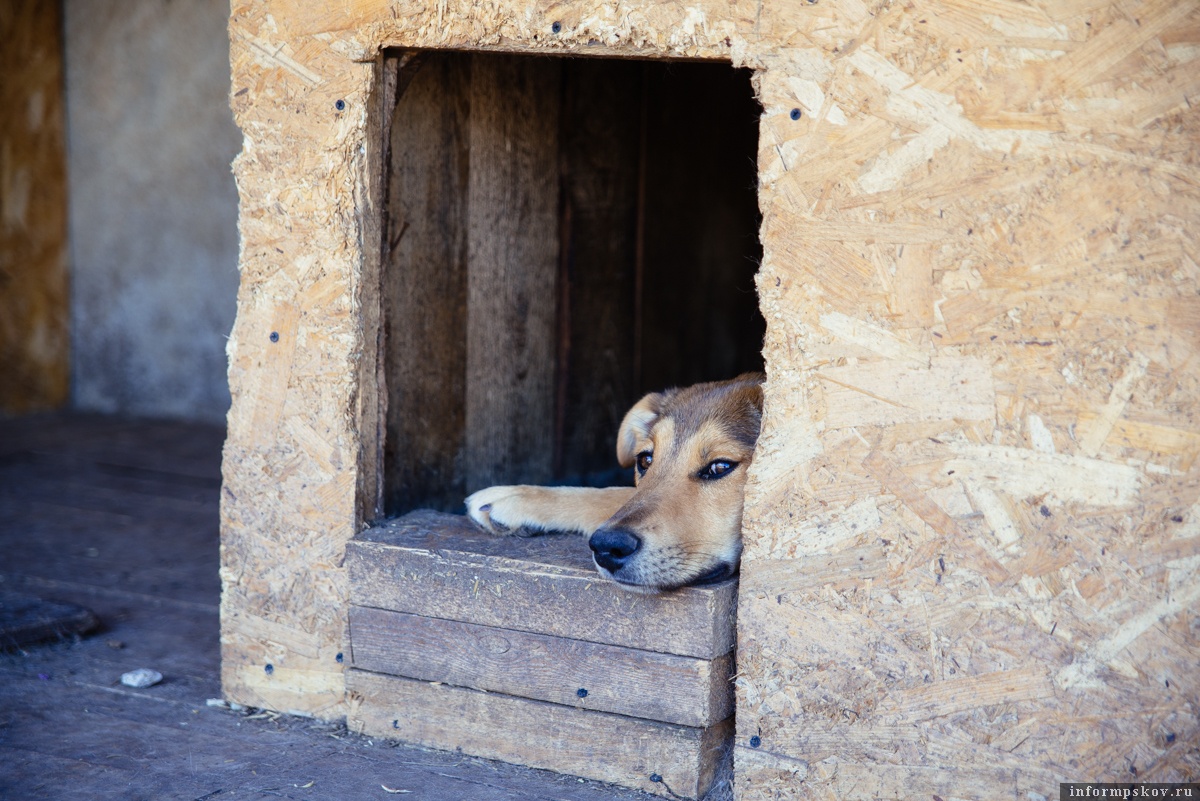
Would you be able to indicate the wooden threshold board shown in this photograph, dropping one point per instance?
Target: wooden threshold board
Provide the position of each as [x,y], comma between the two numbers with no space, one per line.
[579,742]
[516,649]
[444,566]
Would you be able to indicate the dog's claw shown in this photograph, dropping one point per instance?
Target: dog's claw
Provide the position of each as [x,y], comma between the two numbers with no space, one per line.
[481,508]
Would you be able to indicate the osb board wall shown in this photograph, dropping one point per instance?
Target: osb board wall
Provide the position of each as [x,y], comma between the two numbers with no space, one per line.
[34,342]
[972,529]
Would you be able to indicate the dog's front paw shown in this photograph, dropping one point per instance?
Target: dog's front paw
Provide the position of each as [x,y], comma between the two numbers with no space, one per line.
[500,511]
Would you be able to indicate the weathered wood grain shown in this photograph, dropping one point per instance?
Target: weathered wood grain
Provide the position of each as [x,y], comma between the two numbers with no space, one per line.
[599,141]
[627,681]
[425,286]
[444,566]
[596,745]
[512,264]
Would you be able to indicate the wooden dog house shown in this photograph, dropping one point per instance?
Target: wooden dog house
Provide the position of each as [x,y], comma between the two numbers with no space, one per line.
[972,532]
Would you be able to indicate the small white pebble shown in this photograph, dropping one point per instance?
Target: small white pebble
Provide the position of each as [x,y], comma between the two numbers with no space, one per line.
[142,677]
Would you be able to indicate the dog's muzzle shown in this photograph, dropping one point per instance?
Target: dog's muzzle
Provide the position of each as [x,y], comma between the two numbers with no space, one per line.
[612,548]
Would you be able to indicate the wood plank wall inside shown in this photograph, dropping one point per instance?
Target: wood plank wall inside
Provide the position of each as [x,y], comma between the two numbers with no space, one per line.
[562,236]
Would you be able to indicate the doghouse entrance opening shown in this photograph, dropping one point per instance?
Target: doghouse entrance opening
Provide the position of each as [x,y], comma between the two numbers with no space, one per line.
[560,236]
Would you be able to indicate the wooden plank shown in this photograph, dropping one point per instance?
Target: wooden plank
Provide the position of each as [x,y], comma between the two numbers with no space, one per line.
[601,120]
[443,566]
[512,256]
[608,678]
[372,202]
[596,745]
[425,287]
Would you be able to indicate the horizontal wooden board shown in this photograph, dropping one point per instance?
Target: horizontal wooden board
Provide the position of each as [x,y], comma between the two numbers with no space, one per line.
[439,565]
[595,745]
[643,684]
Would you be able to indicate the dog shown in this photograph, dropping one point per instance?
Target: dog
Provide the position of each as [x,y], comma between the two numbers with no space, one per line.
[681,523]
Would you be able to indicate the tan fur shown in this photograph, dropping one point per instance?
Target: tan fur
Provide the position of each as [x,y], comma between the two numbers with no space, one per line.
[689,527]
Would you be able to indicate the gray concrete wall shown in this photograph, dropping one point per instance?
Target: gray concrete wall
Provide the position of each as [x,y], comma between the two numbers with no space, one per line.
[153,208]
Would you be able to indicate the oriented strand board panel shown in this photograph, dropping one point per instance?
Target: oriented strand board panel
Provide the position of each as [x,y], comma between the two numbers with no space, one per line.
[973,535]
[977,579]
[34,340]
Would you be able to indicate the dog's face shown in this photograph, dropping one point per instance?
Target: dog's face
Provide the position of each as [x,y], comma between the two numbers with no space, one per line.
[690,450]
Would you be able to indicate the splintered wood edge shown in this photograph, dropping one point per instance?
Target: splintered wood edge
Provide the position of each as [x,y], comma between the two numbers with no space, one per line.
[578,742]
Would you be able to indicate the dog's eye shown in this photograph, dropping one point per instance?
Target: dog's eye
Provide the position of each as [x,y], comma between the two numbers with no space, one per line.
[644,460]
[718,468]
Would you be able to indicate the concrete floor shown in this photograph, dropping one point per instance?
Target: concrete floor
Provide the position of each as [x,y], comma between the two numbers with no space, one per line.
[121,516]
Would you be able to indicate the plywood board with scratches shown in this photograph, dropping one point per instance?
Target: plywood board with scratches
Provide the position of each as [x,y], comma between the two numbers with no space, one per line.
[972,524]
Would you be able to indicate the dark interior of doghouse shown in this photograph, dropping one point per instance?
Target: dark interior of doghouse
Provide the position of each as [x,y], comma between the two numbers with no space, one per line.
[561,235]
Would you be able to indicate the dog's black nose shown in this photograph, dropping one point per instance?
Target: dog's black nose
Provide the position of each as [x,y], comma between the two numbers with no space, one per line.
[613,547]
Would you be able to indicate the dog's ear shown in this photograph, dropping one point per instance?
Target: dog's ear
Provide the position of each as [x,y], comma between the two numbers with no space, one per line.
[756,390]
[636,425]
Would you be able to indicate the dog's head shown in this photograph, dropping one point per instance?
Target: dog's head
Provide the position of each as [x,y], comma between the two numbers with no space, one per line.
[690,449]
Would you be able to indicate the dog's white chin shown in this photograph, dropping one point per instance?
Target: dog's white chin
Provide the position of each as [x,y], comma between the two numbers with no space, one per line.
[640,589]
